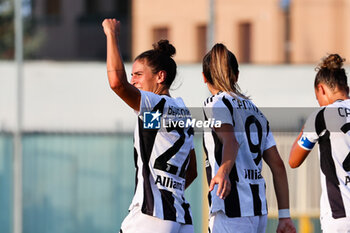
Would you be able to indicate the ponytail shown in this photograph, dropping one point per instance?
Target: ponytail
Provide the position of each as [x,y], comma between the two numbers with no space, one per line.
[220,67]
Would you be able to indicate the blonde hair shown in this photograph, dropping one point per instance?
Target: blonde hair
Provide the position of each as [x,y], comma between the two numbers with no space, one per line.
[220,67]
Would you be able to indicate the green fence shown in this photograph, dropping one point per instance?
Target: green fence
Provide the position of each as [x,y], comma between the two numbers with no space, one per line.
[75,182]
[6,148]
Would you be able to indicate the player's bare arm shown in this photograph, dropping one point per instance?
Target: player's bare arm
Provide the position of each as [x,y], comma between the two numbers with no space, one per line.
[229,153]
[115,67]
[191,172]
[280,181]
[297,154]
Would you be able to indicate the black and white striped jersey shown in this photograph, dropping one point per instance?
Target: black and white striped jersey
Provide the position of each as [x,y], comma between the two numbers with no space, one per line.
[330,127]
[247,197]
[161,153]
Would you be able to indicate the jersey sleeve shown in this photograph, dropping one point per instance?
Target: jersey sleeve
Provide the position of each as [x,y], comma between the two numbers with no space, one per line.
[270,140]
[148,101]
[309,136]
[218,111]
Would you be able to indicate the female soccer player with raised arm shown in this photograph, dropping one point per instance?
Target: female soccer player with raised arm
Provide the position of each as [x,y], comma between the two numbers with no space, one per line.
[329,126]
[164,156]
[235,152]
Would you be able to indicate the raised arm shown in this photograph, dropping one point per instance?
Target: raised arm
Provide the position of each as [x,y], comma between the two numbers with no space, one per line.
[115,67]
[280,182]
[229,154]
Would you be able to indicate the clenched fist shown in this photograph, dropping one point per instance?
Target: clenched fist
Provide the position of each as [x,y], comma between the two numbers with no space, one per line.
[111,27]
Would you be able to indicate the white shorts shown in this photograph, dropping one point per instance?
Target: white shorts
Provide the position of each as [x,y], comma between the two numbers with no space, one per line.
[220,223]
[332,225]
[137,222]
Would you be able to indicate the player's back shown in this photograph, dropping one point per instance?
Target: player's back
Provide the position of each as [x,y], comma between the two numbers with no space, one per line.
[253,134]
[332,124]
[251,128]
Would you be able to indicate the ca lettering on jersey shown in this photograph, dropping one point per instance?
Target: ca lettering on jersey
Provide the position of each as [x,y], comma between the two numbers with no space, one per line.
[343,112]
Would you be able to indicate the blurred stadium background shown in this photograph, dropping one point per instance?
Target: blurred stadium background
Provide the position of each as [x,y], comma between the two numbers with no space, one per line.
[76,172]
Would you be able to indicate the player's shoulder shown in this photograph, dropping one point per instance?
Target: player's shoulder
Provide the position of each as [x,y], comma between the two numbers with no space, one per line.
[339,103]
[217,99]
[310,123]
[150,95]
[211,99]
[154,98]
[339,109]
[151,101]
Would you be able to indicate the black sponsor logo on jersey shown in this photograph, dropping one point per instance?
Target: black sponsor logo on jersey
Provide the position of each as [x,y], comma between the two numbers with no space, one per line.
[169,182]
[252,174]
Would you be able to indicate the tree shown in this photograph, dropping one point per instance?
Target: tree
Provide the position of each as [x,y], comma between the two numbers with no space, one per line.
[31,39]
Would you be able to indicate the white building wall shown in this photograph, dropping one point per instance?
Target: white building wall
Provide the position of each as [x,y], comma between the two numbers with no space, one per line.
[75,96]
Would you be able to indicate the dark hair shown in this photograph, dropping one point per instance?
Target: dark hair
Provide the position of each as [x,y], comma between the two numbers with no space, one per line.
[160,58]
[220,68]
[331,73]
